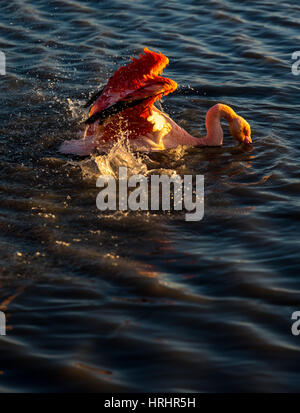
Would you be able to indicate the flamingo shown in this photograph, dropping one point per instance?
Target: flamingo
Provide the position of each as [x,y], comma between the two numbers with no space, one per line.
[126,106]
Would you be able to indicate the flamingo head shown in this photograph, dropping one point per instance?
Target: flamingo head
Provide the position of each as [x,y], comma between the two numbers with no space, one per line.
[240,130]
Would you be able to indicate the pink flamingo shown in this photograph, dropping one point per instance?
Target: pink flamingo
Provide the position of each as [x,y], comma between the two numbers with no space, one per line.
[126,106]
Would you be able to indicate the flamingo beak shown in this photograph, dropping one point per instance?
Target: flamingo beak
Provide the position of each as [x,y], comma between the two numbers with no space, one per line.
[247,140]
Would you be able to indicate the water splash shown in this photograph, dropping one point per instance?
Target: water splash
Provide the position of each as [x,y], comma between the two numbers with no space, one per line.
[120,155]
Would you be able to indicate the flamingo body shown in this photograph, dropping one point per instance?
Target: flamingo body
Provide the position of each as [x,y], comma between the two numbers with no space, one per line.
[129,98]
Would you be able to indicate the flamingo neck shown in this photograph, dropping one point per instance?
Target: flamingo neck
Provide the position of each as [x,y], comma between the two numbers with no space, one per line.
[214,129]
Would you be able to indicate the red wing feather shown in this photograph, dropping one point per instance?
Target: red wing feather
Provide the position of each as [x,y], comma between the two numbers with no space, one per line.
[139,80]
[133,76]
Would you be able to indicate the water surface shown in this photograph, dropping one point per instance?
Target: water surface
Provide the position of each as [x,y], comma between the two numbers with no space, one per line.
[142,301]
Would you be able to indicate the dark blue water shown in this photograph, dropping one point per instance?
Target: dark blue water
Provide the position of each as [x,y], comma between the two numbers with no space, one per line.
[142,301]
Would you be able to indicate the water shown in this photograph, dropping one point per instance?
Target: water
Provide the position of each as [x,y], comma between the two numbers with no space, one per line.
[146,301]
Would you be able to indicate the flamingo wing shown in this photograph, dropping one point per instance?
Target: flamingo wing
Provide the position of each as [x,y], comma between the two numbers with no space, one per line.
[131,85]
[124,104]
